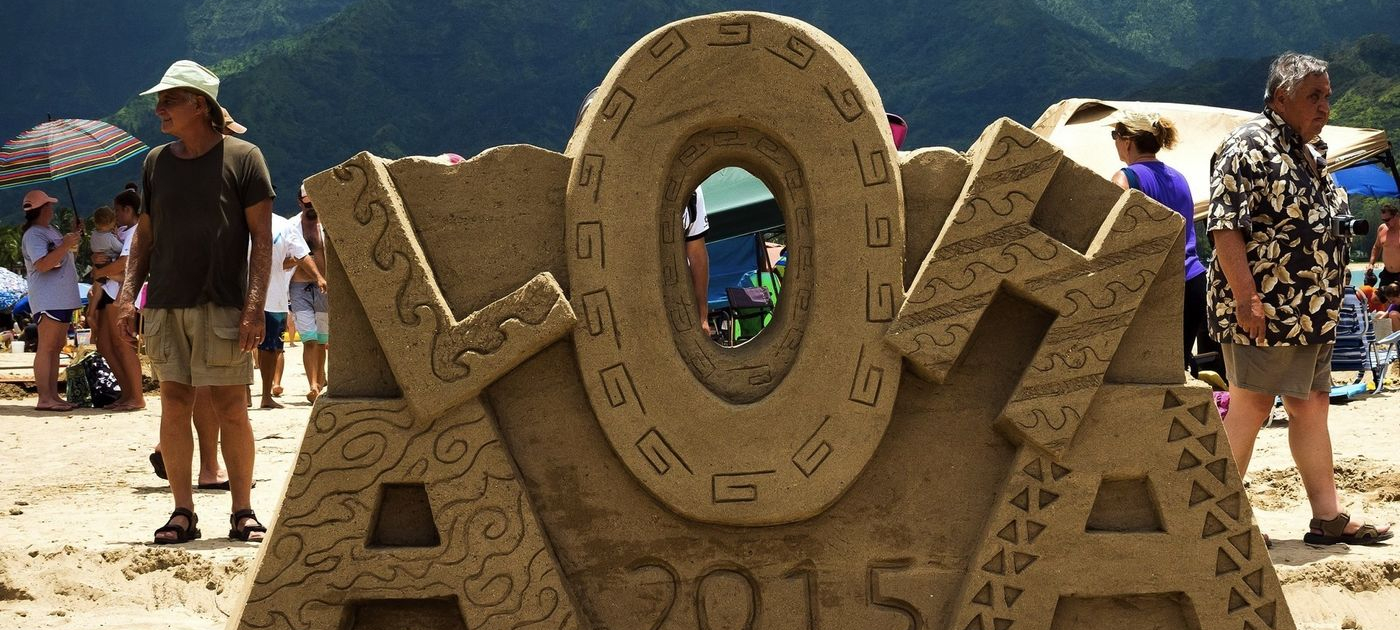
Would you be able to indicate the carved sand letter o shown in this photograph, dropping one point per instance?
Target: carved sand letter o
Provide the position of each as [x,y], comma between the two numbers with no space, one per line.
[776,430]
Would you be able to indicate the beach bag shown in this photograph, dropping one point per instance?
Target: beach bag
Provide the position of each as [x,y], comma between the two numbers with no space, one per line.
[91,382]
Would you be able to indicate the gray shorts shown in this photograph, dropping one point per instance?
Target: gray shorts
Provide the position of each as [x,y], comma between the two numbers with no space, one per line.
[1295,371]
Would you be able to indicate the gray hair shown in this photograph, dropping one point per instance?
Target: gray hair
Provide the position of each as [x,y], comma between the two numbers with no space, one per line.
[1286,72]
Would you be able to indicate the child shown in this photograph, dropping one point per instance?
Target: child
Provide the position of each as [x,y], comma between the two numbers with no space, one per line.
[104,242]
[1390,295]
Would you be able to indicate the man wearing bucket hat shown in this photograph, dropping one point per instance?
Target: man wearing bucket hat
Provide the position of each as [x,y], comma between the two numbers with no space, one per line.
[207,194]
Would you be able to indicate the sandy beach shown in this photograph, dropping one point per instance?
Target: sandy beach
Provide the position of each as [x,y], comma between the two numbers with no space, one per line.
[78,503]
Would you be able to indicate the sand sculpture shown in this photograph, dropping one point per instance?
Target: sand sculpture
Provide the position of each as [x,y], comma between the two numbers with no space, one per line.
[968,412]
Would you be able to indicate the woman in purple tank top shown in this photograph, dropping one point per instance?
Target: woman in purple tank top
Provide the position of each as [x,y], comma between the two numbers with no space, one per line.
[1138,137]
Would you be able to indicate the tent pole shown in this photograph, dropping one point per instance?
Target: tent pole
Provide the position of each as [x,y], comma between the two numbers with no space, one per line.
[1388,159]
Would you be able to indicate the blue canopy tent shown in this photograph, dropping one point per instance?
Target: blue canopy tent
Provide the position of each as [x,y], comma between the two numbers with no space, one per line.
[1376,178]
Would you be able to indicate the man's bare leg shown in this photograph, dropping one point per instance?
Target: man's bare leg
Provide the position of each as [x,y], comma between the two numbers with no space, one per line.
[177,447]
[1248,409]
[206,427]
[1311,444]
[237,442]
[314,356]
[267,367]
[277,375]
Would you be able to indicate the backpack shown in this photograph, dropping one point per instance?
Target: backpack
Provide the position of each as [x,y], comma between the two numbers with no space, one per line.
[91,382]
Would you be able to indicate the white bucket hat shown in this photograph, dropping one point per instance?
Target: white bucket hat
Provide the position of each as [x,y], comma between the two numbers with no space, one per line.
[192,76]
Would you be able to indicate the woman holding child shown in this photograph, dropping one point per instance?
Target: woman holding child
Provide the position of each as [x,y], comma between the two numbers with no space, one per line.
[111,238]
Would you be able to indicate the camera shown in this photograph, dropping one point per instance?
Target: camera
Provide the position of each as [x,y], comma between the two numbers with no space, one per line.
[1348,226]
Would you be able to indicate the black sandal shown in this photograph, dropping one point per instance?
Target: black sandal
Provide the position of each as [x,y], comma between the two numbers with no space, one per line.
[1331,532]
[243,534]
[158,464]
[182,534]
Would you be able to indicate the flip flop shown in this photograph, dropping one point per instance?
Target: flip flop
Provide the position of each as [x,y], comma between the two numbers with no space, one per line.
[222,485]
[158,464]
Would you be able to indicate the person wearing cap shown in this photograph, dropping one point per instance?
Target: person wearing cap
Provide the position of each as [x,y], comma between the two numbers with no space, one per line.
[207,195]
[1137,137]
[309,307]
[1276,283]
[53,290]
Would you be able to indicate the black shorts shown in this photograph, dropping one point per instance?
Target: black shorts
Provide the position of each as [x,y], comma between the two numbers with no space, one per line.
[1387,277]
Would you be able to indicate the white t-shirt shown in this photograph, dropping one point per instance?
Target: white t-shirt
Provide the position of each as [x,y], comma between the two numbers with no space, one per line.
[694,221]
[286,243]
[113,287]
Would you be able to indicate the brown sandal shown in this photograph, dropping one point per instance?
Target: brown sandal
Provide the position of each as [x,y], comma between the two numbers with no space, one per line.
[1332,531]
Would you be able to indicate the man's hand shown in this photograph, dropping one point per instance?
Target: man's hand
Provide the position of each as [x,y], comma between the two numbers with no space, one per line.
[1250,314]
[126,320]
[321,283]
[250,330]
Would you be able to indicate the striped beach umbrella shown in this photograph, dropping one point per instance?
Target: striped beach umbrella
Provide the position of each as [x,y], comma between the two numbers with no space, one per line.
[64,147]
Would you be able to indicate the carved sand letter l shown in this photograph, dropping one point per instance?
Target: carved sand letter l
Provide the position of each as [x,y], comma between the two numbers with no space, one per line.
[439,361]
[745,436]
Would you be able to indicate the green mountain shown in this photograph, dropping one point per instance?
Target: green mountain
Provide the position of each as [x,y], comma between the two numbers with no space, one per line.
[1184,32]
[78,59]
[1365,76]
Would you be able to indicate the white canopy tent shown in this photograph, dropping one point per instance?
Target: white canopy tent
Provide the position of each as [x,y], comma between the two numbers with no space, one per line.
[1080,126]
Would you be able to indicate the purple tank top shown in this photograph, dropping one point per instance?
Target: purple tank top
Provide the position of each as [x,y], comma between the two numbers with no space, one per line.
[1168,186]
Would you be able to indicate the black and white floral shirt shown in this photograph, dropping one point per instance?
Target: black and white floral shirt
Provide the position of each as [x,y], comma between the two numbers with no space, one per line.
[1269,184]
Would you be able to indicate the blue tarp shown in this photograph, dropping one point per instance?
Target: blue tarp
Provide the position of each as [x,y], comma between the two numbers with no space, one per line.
[1367,180]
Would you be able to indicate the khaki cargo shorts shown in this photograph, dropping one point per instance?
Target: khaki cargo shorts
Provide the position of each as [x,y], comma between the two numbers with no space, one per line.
[196,346]
[1295,371]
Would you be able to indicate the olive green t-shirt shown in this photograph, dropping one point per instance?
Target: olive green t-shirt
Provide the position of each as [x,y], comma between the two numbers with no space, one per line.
[199,248]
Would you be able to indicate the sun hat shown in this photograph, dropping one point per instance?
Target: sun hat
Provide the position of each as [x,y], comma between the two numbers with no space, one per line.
[35,199]
[232,125]
[1137,122]
[192,76]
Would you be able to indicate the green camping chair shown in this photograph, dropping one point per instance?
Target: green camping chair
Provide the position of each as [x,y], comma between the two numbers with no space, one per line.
[751,303]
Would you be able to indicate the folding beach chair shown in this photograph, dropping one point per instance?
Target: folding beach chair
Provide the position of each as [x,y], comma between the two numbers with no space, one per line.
[1357,351]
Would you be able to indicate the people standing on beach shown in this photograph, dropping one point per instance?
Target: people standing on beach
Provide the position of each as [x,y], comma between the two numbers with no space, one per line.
[53,290]
[1387,247]
[110,269]
[310,309]
[1137,137]
[1276,282]
[288,251]
[206,195]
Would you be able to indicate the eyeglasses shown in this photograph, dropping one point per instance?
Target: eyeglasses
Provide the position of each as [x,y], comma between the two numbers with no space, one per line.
[1115,134]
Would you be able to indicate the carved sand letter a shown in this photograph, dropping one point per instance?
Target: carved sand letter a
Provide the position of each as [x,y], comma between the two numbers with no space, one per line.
[744,436]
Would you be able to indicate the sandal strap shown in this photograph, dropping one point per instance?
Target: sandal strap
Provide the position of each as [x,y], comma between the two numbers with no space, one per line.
[246,513]
[1336,526]
[1367,532]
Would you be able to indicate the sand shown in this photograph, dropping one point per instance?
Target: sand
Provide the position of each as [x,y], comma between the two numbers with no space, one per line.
[78,505]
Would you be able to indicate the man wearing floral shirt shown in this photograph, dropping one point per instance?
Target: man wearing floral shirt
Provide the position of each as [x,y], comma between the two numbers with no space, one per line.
[1276,281]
